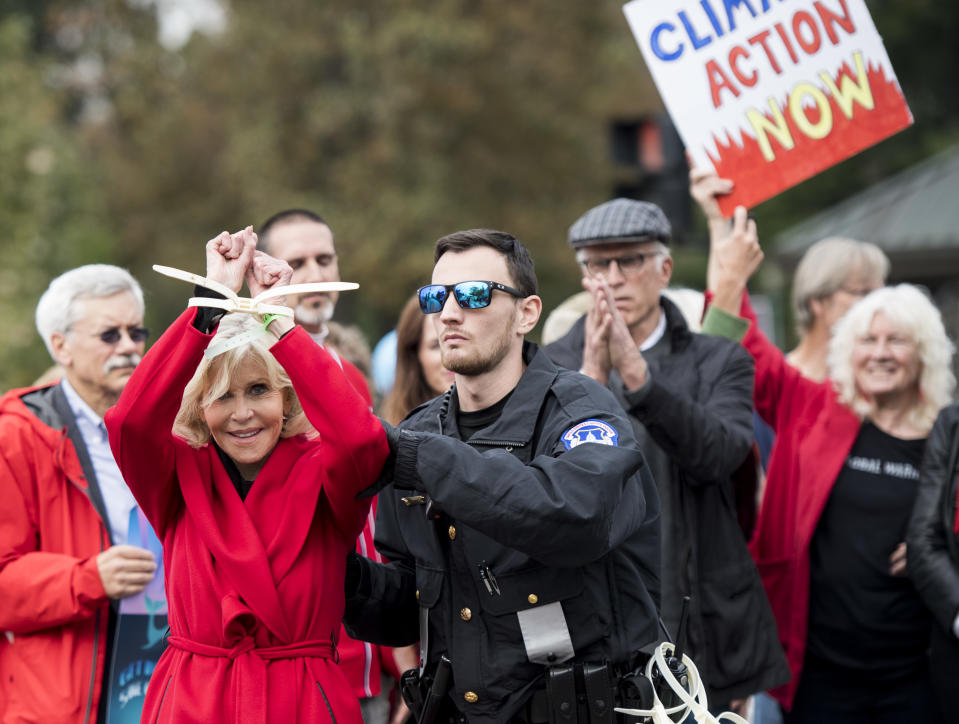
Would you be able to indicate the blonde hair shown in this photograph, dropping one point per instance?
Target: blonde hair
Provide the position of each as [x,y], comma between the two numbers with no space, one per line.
[908,309]
[826,266]
[212,379]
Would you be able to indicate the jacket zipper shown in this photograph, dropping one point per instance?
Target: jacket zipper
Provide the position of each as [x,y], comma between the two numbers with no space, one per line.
[96,646]
[328,707]
[93,667]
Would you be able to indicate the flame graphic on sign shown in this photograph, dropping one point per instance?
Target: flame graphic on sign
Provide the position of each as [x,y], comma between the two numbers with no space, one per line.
[758,179]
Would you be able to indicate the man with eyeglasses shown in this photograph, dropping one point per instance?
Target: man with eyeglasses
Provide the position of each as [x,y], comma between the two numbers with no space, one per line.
[65,510]
[689,397]
[522,527]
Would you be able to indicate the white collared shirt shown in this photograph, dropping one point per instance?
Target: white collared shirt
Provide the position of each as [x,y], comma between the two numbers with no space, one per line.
[656,334]
[117,498]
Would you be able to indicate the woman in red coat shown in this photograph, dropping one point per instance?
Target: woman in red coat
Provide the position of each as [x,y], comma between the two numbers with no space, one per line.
[842,478]
[251,484]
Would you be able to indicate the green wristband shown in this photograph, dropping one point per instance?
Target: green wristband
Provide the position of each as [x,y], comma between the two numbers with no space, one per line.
[268,319]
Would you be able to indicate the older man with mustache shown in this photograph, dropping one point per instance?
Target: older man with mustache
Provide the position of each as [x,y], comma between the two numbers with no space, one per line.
[65,508]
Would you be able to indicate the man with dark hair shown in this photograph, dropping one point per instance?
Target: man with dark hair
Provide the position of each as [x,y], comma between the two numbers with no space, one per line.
[304,240]
[522,525]
[689,397]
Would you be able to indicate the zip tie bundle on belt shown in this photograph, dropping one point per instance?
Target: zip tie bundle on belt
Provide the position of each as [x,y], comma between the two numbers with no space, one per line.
[257,305]
[693,701]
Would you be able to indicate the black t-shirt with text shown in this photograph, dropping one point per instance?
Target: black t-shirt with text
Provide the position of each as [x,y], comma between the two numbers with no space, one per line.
[860,616]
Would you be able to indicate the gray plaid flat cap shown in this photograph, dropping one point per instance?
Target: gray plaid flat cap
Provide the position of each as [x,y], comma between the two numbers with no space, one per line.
[620,220]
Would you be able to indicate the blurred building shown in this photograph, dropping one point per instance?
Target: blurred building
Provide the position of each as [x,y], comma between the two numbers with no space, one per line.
[913,216]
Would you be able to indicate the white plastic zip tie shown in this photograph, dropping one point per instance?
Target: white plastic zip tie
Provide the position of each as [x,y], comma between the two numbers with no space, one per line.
[693,701]
[233,342]
[256,305]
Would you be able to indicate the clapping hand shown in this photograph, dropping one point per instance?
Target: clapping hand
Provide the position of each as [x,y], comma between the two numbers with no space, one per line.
[609,343]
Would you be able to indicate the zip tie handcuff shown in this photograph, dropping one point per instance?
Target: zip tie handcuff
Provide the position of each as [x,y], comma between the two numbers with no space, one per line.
[256,305]
[692,701]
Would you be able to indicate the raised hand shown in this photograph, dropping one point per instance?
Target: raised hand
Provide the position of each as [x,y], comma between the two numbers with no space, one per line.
[267,272]
[733,258]
[228,256]
[704,187]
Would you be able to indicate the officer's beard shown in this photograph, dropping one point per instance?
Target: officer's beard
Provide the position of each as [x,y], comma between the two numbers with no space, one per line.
[482,360]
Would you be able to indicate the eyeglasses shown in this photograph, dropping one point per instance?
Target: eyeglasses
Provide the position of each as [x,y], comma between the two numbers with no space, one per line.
[859,292]
[113,334]
[628,265]
[469,295]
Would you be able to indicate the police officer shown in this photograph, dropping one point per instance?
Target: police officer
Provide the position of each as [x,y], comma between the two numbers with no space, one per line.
[522,528]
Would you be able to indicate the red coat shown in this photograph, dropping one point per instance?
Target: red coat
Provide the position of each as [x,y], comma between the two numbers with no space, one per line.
[51,599]
[363,662]
[814,434]
[254,587]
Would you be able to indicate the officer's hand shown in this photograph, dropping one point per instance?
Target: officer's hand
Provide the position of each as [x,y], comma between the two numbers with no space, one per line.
[596,362]
[387,473]
[392,436]
[125,570]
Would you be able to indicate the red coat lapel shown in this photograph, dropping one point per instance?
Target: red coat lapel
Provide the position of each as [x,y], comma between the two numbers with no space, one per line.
[228,531]
[821,457]
[282,502]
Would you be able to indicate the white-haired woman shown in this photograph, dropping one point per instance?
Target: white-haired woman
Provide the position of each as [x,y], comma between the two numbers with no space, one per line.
[842,479]
[248,460]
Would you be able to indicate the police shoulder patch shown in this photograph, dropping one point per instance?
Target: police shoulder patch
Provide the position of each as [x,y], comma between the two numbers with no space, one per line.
[590,431]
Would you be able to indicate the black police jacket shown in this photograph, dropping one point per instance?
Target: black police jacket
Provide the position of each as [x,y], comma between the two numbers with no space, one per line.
[698,410]
[932,546]
[531,511]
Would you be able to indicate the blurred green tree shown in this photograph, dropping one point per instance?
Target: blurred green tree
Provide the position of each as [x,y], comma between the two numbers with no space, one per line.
[52,214]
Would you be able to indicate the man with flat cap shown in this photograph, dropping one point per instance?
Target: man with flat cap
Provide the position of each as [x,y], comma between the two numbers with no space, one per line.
[689,397]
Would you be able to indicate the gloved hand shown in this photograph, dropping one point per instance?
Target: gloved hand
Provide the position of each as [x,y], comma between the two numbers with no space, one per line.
[386,474]
[392,436]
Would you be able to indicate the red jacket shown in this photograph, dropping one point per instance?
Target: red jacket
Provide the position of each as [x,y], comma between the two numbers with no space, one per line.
[254,587]
[814,434]
[52,602]
[363,662]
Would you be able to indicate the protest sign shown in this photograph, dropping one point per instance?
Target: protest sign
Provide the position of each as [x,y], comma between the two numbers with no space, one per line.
[769,92]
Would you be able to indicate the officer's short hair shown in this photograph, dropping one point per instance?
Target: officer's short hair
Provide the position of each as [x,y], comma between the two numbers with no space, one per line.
[518,261]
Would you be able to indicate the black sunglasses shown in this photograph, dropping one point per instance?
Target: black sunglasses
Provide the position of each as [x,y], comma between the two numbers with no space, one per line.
[469,295]
[113,334]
